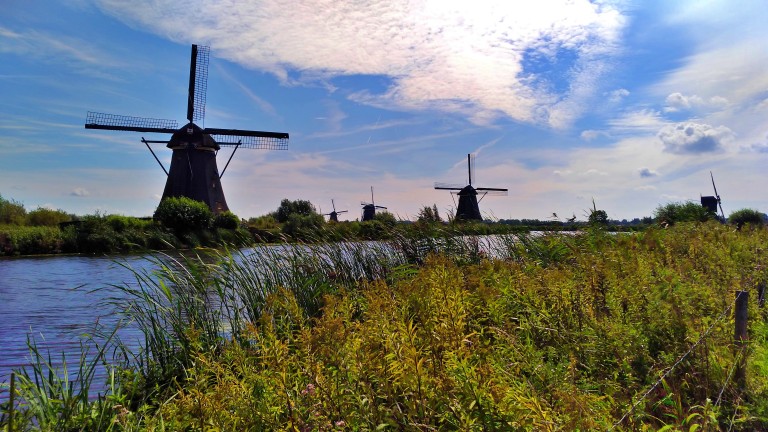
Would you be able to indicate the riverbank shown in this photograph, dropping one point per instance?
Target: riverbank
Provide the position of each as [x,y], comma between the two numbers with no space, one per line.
[99,235]
[572,332]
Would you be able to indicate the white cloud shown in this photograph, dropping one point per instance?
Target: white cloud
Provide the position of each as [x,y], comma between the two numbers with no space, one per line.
[80,192]
[617,95]
[466,57]
[676,102]
[693,138]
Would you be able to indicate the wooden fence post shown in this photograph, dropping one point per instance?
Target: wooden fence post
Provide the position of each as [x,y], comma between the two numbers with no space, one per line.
[10,402]
[740,336]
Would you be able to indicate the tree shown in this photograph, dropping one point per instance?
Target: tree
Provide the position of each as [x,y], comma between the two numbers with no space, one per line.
[12,212]
[689,211]
[288,207]
[47,217]
[386,218]
[597,217]
[747,216]
[429,214]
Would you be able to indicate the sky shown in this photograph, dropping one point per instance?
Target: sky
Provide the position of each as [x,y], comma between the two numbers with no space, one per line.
[627,104]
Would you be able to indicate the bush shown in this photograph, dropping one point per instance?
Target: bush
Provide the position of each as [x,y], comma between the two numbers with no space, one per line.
[183,214]
[226,220]
[385,218]
[689,211]
[47,217]
[746,216]
[24,240]
[12,212]
[122,223]
[303,227]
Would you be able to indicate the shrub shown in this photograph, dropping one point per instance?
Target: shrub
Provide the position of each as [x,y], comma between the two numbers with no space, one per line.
[746,216]
[303,227]
[688,211]
[183,214]
[385,218]
[226,220]
[122,223]
[11,212]
[23,240]
[47,217]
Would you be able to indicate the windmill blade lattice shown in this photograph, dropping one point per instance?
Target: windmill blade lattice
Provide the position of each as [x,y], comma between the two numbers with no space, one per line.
[249,139]
[198,83]
[96,120]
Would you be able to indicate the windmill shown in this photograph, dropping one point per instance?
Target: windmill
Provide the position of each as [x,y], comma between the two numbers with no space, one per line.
[468,208]
[369,209]
[334,215]
[193,172]
[711,203]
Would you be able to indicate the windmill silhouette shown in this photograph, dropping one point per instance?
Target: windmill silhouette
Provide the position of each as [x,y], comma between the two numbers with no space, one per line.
[334,215]
[711,203]
[193,172]
[468,208]
[369,209]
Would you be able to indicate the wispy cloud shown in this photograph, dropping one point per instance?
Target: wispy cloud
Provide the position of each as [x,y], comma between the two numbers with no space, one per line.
[466,57]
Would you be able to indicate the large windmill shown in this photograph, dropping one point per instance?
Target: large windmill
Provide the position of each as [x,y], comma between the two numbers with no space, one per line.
[711,203]
[193,172]
[334,215]
[369,209]
[468,208]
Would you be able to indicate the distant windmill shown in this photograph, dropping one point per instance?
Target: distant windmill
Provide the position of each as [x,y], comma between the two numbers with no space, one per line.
[711,203]
[468,208]
[334,215]
[369,209]
[193,171]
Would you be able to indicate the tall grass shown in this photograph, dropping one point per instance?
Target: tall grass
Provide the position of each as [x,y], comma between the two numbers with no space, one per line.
[442,332]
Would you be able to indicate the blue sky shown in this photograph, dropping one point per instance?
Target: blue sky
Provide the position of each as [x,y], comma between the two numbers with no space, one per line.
[631,104]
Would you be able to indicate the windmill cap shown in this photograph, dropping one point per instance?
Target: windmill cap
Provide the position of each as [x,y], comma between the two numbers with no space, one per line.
[191,135]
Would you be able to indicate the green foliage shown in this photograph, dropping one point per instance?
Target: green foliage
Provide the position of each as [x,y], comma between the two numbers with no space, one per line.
[46,217]
[429,214]
[12,212]
[386,218]
[26,240]
[183,214]
[747,216]
[288,208]
[226,220]
[689,211]
[303,226]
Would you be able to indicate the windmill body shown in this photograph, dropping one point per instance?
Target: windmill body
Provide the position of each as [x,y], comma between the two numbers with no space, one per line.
[193,172]
[469,207]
